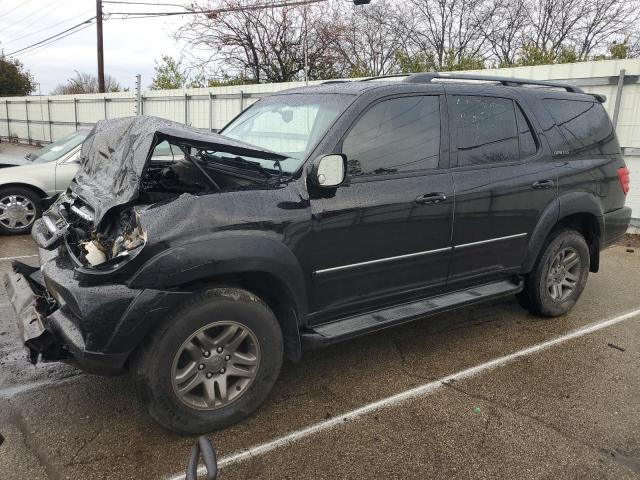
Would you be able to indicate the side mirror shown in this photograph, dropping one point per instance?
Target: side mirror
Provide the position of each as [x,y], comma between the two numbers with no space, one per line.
[328,171]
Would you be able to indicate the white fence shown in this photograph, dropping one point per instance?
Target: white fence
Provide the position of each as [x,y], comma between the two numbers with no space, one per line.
[47,118]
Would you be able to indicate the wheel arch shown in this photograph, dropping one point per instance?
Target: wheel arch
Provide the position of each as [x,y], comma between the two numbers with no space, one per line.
[578,210]
[41,193]
[270,289]
[591,229]
[262,265]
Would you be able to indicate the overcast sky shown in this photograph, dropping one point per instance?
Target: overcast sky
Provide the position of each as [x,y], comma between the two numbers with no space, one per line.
[130,46]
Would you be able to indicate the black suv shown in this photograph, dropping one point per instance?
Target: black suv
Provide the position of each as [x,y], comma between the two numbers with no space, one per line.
[318,214]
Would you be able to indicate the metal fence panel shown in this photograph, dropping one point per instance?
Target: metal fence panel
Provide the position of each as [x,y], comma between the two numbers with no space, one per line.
[48,118]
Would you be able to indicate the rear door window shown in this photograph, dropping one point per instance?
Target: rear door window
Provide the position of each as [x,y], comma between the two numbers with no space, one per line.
[396,135]
[585,126]
[486,129]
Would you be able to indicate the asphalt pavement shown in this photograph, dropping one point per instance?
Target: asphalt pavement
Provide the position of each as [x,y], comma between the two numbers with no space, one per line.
[485,392]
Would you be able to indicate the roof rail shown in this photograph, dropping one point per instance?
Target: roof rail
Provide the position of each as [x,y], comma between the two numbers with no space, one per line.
[427,77]
[334,81]
[381,77]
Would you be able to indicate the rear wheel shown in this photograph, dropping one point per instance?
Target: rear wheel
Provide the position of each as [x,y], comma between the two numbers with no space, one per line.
[211,363]
[19,208]
[559,276]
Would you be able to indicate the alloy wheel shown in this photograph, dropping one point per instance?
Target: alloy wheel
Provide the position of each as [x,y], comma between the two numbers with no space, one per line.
[16,212]
[563,274]
[215,365]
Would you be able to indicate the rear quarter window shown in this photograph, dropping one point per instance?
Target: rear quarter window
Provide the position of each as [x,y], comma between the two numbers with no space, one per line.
[584,126]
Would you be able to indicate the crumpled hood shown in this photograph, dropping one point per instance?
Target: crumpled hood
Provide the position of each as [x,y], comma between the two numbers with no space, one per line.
[115,154]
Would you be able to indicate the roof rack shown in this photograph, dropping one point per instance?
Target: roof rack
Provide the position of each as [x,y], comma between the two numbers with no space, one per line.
[382,77]
[427,77]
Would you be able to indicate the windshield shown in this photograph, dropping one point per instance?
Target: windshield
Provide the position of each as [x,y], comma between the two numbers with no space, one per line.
[289,124]
[59,148]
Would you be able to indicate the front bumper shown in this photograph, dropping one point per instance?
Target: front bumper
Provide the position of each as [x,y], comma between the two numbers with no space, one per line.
[49,332]
[95,327]
[29,306]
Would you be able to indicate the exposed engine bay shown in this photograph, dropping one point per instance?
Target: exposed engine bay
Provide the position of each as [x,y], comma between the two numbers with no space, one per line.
[165,179]
[129,164]
[120,235]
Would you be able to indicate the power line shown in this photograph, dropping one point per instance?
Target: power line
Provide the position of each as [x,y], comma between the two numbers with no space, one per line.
[16,7]
[146,3]
[214,12]
[44,13]
[88,21]
[27,17]
[35,49]
[49,27]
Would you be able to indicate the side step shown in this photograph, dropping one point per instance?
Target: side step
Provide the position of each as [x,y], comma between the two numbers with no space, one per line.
[350,327]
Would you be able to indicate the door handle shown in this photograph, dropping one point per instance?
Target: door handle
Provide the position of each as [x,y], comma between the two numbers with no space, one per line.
[431,198]
[542,184]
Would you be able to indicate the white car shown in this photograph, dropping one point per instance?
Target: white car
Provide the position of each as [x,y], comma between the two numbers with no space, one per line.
[24,182]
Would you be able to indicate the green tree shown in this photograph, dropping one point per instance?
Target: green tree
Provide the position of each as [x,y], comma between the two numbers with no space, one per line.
[567,55]
[453,62]
[358,70]
[419,62]
[619,51]
[532,55]
[227,81]
[169,74]
[14,80]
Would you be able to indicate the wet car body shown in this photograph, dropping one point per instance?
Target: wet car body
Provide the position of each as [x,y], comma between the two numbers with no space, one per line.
[118,253]
[101,314]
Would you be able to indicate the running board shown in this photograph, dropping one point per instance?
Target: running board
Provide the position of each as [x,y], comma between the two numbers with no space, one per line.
[350,327]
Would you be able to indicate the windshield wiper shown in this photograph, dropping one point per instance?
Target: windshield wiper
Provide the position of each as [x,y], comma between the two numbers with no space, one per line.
[255,165]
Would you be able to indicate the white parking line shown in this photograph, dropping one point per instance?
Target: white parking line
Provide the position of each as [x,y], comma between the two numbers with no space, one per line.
[16,258]
[10,392]
[413,393]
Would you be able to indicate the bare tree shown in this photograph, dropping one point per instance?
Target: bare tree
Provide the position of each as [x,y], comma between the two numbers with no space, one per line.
[86,83]
[273,44]
[553,22]
[604,22]
[375,33]
[266,44]
[503,26]
[448,28]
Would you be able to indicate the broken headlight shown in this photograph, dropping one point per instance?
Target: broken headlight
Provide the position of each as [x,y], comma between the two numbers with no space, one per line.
[119,243]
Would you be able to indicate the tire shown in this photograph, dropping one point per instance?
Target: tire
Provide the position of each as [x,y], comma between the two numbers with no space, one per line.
[540,296]
[18,201]
[158,364]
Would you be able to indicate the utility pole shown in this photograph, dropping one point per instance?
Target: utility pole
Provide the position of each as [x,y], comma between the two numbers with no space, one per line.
[100,46]
[305,46]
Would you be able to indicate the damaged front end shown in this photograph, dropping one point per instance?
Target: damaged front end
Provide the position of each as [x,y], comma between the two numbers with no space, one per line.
[70,222]
[33,304]
[78,306]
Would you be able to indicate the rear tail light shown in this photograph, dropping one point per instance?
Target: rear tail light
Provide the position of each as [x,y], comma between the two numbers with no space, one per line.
[623,176]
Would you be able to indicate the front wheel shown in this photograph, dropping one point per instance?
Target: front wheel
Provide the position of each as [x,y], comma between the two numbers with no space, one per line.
[559,276]
[19,208]
[211,363]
